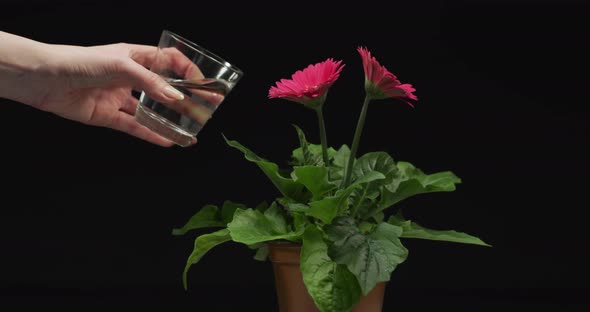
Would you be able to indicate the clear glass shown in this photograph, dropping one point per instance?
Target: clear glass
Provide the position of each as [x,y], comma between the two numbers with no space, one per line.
[203,77]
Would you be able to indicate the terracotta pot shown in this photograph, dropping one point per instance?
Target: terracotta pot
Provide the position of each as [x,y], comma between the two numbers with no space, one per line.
[291,292]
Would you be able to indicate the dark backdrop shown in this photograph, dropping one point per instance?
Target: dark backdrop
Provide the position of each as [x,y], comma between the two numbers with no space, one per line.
[86,212]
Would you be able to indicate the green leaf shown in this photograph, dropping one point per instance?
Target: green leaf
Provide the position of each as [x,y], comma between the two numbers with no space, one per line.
[314,178]
[203,244]
[262,206]
[338,165]
[366,227]
[296,207]
[208,216]
[375,161]
[332,286]
[328,208]
[251,226]
[437,182]
[363,198]
[299,221]
[369,177]
[228,209]
[292,205]
[371,258]
[315,155]
[261,253]
[286,186]
[276,216]
[305,157]
[412,181]
[378,217]
[341,156]
[414,230]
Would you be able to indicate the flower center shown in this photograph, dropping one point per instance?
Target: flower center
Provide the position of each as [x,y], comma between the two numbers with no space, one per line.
[311,89]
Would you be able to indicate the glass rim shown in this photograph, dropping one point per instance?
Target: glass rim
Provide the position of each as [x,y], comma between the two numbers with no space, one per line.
[210,55]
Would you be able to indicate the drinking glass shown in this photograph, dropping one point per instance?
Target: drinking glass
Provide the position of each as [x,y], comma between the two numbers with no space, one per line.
[204,78]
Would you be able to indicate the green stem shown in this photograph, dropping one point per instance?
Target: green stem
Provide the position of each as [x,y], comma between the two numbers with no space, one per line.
[323,136]
[355,142]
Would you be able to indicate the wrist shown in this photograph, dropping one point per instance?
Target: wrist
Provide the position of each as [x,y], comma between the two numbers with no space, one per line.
[22,64]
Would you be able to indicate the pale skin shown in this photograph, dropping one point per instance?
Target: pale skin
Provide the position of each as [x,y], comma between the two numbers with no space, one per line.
[93,85]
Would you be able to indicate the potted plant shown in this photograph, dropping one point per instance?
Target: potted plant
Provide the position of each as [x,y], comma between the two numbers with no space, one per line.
[327,235]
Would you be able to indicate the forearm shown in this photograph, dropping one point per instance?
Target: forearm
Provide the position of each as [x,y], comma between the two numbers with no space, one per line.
[20,60]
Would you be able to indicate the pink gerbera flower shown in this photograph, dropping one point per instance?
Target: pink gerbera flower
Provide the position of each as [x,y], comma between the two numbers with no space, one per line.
[381,83]
[308,86]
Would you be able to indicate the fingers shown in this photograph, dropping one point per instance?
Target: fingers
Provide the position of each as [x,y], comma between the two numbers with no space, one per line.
[142,54]
[168,59]
[126,123]
[194,108]
[182,66]
[129,105]
[199,108]
[151,83]
[207,98]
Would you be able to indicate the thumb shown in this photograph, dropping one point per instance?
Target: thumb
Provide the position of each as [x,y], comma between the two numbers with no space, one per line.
[152,84]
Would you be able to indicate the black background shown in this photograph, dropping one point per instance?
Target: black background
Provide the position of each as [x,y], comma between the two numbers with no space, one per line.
[86,212]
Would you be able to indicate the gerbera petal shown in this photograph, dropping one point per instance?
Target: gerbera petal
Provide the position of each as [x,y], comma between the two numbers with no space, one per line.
[308,84]
[381,82]
[408,89]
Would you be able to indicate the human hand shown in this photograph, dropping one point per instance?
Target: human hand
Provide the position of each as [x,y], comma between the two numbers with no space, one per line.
[93,85]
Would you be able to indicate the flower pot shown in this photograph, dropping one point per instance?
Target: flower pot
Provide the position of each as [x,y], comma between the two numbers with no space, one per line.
[291,292]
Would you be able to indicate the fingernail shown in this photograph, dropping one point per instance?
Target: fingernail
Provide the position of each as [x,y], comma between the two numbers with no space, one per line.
[172,93]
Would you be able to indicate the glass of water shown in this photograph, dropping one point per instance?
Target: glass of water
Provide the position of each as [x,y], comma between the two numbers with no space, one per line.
[204,78]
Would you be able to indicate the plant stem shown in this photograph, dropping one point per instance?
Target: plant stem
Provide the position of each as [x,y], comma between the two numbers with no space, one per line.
[355,142]
[323,136]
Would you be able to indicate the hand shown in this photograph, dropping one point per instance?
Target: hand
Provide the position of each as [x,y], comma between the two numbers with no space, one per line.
[93,85]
